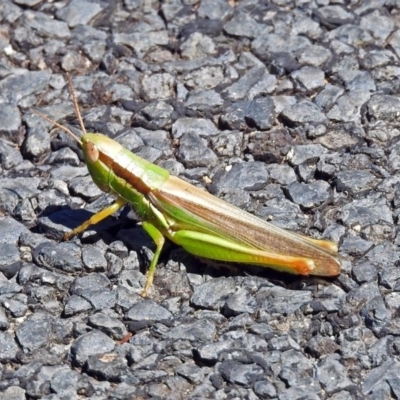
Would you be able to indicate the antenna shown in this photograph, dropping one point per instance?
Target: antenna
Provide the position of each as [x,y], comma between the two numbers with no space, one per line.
[75,102]
[77,113]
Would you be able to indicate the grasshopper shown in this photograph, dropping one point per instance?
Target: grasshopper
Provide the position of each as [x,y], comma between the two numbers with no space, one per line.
[201,223]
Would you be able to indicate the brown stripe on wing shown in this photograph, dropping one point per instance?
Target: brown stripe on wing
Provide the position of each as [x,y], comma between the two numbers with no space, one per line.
[125,171]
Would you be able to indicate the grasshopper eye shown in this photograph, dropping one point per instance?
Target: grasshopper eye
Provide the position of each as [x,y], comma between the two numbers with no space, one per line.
[92,152]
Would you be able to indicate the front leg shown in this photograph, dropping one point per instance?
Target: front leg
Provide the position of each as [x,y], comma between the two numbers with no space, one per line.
[96,218]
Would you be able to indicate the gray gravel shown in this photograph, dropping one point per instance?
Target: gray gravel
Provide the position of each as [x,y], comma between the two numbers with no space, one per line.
[289,110]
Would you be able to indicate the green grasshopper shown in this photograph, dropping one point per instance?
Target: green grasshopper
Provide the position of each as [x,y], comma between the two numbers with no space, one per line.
[201,223]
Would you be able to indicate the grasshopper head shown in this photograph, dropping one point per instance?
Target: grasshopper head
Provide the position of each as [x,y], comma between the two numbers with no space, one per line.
[99,152]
